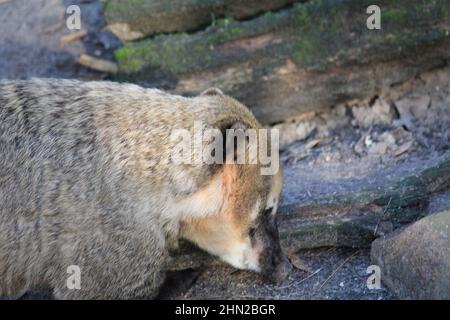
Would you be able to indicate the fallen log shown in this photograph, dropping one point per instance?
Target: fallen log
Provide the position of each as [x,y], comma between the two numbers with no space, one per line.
[135,19]
[305,58]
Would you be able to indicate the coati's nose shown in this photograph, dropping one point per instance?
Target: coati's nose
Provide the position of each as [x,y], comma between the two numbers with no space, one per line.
[279,272]
[282,271]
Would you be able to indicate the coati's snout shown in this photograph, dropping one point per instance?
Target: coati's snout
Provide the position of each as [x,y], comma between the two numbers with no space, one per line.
[265,240]
[244,232]
[234,215]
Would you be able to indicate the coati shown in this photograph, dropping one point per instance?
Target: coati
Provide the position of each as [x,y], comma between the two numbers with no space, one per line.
[79,186]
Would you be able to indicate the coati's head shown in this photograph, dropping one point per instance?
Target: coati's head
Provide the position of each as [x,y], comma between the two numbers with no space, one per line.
[237,219]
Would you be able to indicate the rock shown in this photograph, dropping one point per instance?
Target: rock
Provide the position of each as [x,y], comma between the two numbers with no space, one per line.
[294,131]
[388,138]
[403,148]
[336,118]
[378,148]
[415,262]
[397,142]
[380,113]
[360,145]
[412,108]
[401,135]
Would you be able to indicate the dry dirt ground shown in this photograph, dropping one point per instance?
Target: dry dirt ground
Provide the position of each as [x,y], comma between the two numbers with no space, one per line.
[348,147]
[30,39]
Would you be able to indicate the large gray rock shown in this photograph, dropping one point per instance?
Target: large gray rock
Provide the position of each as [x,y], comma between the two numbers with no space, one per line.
[415,262]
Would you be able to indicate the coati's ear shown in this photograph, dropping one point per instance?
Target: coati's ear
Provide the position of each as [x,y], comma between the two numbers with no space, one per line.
[212,92]
[238,125]
[238,143]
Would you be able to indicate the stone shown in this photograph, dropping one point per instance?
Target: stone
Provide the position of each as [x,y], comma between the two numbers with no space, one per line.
[414,105]
[378,148]
[294,131]
[415,261]
[379,113]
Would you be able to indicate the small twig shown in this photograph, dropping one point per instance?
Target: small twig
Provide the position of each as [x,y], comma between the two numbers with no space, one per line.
[97,64]
[382,217]
[73,36]
[338,268]
[301,281]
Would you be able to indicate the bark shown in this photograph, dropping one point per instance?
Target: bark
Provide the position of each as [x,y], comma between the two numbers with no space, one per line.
[309,57]
[135,19]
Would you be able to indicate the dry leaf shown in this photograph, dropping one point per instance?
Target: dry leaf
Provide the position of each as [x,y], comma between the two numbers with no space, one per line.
[302,117]
[313,143]
[298,263]
[73,36]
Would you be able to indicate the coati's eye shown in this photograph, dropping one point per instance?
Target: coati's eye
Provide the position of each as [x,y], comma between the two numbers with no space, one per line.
[251,232]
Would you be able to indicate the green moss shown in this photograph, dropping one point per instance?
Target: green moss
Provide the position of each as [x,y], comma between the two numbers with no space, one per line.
[351,233]
[305,52]
[301,18]
[319,24]
[314,34]
[224,22]
[398,14]
[236,31]
[123,9]
[167,53]
[128,60]
[305,15]
[123,53]
[179,53]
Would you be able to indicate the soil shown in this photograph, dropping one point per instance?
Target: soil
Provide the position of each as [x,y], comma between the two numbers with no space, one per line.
[327,147]
[335,273]
[30,39]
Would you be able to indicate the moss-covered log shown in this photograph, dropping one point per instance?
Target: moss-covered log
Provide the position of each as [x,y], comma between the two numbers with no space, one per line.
[308,57]
[135,19]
